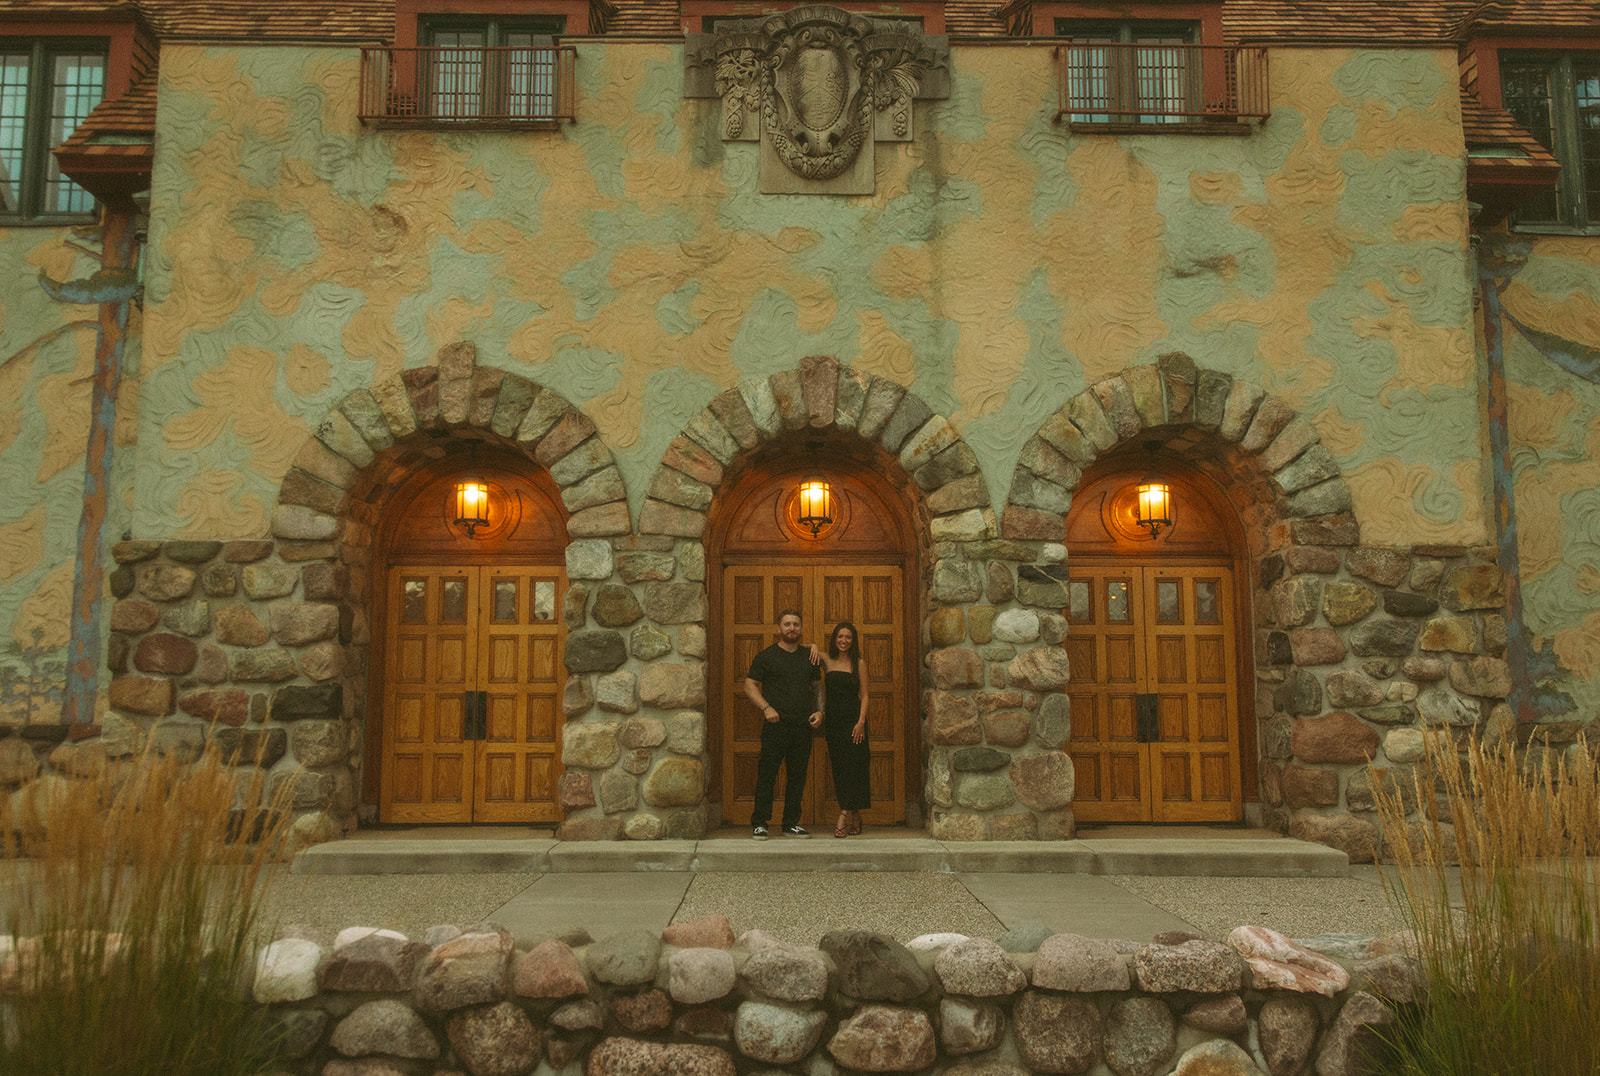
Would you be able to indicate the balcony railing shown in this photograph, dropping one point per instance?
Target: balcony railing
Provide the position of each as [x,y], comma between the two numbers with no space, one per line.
[494,88]
[1157,84]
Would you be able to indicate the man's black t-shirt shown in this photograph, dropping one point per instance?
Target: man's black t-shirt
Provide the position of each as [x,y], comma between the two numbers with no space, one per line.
[786,677]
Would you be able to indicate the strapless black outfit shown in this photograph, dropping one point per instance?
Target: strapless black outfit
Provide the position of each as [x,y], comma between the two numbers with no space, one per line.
[851,761]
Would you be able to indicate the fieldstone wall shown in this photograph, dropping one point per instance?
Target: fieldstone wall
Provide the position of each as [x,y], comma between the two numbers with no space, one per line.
[240,644]
[696,1000]
[1364,654]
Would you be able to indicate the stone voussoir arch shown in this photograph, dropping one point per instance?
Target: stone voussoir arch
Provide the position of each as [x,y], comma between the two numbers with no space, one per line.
[822,394]
[375,436]
[1169,398]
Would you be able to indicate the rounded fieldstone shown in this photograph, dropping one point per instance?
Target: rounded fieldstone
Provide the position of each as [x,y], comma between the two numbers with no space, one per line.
[1009,728]
[1043,782]
[164,582]
[1025,937]
[1057,1034]
[1075,963]
[163,653]
[649,1011]
[955,667]
[1287,1027]
[289,969]
[1340,737]
[708,932]
[384,1027]
[675,603]
[1016,626]
[466,970]
[591,744]
[268,580]
[615,606]
[1219,1057]
[947,627]
[238,626]
[594,651]
[672,685]
[589,558]
[264,665]
[496,1040]
[686,733]
[700,975]
[578,1016]
[775,1034]
[1052,723]
[319,743]
[618,792]
[647,643]
[1043,668]
[1204,967]
[1345,603]
[192,619]
[978,760]
[378,961]
[1351,687]
[978,967]
[626,1057]
[626,959]
[675,782]
[1140,1035]
[874,967]
[884,1038]
[1355,837]
[787,973]
[642,732]
[643,826]
[615,692]
[1219,1016]
[966,1028]
[299,623]
[984,793]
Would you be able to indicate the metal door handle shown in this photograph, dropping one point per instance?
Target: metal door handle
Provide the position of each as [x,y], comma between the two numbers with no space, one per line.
[1149,722]
[476,717]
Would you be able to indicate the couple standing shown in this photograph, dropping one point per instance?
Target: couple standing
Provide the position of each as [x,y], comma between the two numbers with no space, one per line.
[785,685]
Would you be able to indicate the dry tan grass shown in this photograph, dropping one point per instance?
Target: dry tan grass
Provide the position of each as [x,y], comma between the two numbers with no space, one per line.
[131,907]
[1513,973]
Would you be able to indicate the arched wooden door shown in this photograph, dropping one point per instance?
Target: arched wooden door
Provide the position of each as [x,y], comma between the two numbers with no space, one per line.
[855,570]
[1157,654]
[469,673]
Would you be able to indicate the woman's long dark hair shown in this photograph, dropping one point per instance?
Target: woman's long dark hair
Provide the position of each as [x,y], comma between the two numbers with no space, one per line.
[855,645]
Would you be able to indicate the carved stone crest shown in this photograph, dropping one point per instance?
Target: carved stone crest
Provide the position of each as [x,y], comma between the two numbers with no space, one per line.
[817,87]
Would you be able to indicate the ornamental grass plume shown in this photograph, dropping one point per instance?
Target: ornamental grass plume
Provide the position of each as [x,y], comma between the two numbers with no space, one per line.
[1510,967]
[131,904]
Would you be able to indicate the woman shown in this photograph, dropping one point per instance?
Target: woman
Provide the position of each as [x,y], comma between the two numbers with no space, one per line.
[844,722]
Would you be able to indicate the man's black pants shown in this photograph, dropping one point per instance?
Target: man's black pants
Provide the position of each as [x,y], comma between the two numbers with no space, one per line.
[785,742]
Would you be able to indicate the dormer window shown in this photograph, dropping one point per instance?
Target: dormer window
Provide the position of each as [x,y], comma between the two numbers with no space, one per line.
[1132,71]
[1557,98]
[47,88]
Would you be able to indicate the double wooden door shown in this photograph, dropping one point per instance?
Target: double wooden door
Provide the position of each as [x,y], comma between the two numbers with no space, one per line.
[871,598]
[472,694]
[1155,711]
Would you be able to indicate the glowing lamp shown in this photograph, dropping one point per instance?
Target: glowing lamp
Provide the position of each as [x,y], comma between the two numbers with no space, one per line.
[472,505]
[1154,510]
[816,504]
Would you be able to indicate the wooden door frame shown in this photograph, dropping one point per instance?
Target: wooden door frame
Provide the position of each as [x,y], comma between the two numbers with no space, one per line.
[487,457]
[1234,552]
[876,474]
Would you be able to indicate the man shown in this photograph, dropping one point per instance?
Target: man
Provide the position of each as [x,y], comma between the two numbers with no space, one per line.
[782,685]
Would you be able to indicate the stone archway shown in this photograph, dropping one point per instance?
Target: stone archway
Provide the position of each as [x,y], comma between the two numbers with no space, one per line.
[330,502]
[979,693]
[1350,659]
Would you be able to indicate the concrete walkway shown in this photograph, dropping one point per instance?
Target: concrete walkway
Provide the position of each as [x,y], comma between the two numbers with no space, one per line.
[903,885]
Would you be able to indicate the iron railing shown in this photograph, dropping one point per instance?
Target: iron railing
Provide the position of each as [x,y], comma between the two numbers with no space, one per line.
[468,86]
[1155,83]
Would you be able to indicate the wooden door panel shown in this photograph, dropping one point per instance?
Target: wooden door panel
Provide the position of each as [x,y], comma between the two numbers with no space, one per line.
[427,773]
[458,629]
[1166,631]
[518,759]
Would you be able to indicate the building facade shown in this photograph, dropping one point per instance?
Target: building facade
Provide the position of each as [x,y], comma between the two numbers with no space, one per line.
[284,278]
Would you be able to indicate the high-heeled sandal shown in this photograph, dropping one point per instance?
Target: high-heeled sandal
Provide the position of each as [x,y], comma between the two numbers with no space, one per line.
[842,829]
[855,823]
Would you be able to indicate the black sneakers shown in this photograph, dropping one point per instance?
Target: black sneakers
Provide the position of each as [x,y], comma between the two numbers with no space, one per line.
[758,833]
[795,831]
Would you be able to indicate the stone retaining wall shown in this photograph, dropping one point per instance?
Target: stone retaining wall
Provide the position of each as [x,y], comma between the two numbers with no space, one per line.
[694,1000]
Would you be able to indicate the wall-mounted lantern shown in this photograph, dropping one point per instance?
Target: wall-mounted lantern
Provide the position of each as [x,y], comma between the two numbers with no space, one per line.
[816,499]
[1153,508]
[472,500]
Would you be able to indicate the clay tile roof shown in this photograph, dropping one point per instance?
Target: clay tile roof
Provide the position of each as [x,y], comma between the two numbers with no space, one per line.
[258,20]
[646,17]
[1538,16]
[972,18]
[134,113]
[1341,20]
[1492,129]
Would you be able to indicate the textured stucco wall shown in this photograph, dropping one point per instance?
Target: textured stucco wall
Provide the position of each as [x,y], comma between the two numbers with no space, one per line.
[46,362]
[1002,265]
[1552,299]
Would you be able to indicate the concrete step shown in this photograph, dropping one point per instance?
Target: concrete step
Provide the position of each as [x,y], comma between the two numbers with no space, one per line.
[1214,857]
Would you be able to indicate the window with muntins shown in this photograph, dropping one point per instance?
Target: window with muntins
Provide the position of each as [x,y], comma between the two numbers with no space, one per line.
[1134,71]
[46,89]
[491,67]
[1557,98]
